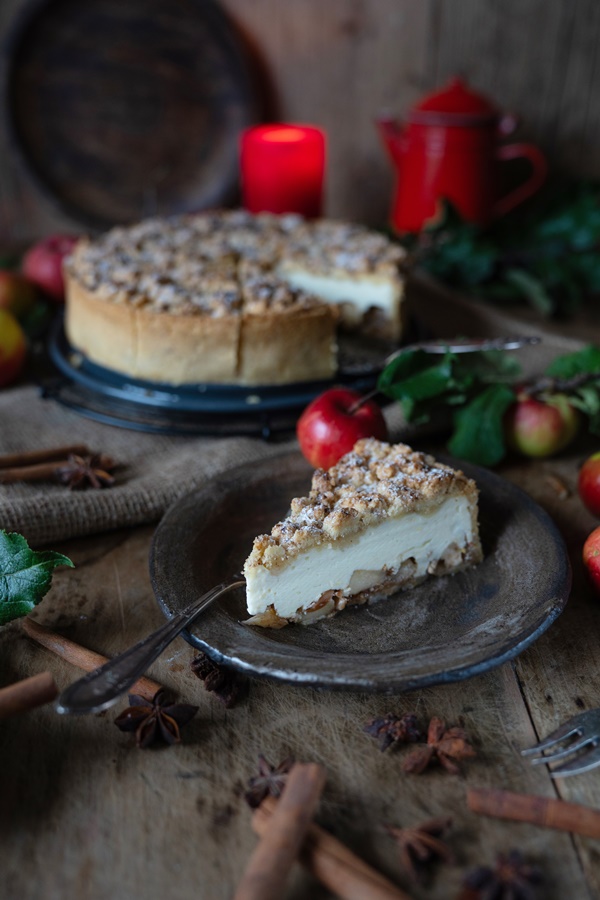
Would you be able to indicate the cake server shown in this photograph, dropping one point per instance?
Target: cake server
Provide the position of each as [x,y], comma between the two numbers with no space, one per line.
[101,688]
[468,345]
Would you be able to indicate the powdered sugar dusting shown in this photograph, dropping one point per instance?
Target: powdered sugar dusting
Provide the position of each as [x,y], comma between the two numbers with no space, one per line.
[224,262]
[374,481]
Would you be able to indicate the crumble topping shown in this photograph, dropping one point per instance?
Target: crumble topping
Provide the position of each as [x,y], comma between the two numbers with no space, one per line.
[217,263]
[327,245]
[262,292]
[374,481]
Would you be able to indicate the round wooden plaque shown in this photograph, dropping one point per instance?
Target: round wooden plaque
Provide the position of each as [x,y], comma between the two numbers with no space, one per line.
[123,109]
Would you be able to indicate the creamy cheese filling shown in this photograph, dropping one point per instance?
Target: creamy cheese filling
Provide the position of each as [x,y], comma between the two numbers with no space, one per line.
[356,563]
[363,292]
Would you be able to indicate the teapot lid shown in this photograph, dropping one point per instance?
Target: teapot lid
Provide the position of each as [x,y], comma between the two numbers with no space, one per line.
[455,104]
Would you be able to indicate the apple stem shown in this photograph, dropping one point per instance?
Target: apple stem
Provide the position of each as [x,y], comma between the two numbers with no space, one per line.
[361,401]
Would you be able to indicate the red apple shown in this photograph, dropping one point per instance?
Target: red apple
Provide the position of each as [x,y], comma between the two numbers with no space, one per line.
[13,348]
[42,264]
[17,294]
[588,483]
[541,427]
[329,427]
[591,557]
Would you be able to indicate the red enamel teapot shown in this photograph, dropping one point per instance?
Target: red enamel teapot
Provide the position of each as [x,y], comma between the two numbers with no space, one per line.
[450,149]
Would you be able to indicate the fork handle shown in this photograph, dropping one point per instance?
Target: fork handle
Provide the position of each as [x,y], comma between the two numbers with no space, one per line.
[101,688]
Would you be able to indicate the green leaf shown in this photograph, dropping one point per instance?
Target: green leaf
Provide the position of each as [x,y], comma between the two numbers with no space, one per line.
[587,399]
[578,363]
[478,431]
[411,378]
[546,251]
[25,575]
[532,290]
[487,367]
[37,321]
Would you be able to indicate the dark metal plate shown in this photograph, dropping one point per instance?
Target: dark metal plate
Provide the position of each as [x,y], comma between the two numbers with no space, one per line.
[108,396]
[446,629]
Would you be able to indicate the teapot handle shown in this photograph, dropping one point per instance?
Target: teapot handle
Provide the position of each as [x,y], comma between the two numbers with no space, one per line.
[529,187]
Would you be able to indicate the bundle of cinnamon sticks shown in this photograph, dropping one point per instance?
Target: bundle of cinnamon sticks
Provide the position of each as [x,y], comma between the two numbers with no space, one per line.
[288,833]
[37,465]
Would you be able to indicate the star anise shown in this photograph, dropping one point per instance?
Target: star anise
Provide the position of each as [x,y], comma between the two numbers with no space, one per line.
[421,844]
[227,685]
[392,729]
[512,878]
[155,718]
[269,781]
[443,744]
[81,472]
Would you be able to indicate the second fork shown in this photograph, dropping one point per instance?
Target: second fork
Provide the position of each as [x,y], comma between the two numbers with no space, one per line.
[579,735]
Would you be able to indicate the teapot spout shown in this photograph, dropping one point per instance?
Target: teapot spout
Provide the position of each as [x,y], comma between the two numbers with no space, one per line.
[393,137]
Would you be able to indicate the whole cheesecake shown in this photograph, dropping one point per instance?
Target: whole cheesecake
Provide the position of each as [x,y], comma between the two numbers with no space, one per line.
[382,520]
[229,297]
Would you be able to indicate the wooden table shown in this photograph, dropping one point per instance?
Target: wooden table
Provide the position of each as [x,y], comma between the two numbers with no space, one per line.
[85,814]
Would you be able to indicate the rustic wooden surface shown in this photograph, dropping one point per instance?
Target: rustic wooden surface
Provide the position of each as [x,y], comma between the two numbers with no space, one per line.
[84,813]
[340,64]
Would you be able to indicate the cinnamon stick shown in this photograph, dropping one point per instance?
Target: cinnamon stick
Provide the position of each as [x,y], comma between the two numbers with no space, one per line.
[269,866]
[335,866]
[31,457]
[545,811]
[27,694]
[39,472]
[80,656]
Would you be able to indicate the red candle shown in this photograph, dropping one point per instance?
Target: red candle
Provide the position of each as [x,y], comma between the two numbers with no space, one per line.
[282,169]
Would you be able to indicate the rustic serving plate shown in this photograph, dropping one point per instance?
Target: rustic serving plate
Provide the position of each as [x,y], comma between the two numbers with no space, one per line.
[446,629]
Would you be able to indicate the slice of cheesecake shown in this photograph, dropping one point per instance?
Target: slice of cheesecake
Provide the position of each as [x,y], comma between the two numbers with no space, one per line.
[381,520]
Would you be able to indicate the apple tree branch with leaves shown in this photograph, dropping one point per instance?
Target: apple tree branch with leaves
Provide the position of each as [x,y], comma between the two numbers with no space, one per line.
[490,409]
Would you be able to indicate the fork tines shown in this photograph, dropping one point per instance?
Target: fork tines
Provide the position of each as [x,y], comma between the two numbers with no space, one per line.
[578,738]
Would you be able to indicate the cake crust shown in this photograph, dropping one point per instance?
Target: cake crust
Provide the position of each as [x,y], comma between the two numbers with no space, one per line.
[138,342]
[204,298]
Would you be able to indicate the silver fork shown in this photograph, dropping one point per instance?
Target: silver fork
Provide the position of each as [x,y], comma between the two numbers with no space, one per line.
[580,736]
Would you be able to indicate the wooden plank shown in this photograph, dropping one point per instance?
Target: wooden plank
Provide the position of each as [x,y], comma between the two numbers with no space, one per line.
[492,46]
[585,84]
[85,813]
[339,65]
[559,674]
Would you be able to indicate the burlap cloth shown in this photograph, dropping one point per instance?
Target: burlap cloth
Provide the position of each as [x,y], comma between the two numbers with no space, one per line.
[156,470]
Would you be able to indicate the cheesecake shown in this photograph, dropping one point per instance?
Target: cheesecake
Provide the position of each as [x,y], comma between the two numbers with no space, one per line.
[382,520]
[228,297]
